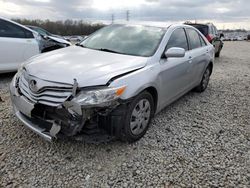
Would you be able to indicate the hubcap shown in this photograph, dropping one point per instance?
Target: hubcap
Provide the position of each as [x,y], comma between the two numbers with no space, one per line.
[140,117]
[206,78]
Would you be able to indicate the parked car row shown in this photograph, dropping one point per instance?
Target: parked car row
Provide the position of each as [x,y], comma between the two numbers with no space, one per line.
[115,80]
[236,38]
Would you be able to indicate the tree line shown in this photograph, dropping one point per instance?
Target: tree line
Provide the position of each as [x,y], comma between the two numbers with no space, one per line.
[64,28]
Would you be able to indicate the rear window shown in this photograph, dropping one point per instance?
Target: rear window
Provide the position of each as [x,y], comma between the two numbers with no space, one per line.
[10,30]
[202,28]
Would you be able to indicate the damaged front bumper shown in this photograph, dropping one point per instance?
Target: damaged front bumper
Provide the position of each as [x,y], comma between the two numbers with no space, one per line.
[22,109]
[49,122]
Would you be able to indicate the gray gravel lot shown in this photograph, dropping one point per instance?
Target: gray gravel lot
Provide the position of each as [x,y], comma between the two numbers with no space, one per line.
[201,140]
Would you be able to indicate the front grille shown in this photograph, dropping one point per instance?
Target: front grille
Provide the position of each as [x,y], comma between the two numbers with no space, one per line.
[48,93]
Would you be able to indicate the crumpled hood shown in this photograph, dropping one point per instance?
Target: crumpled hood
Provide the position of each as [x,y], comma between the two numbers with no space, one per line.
[60,40]
[88,67]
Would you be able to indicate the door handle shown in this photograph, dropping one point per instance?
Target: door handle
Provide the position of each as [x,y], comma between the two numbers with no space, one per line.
[190,59]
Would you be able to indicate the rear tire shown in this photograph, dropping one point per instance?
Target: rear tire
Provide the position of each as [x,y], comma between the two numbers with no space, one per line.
[205,80]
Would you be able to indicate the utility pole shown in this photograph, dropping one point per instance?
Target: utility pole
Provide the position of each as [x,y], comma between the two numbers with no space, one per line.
[127,15]
[112,18]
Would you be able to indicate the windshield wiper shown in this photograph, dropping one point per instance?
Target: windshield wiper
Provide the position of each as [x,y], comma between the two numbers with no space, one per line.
[101,49]
[81,45]
[108,50]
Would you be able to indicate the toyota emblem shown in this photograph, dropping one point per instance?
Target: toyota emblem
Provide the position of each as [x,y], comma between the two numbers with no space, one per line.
[33,86]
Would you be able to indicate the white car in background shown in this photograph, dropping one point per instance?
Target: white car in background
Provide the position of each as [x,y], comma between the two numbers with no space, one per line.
[17,44]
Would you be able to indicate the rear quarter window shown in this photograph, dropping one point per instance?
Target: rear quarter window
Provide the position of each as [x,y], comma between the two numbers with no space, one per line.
[193,38]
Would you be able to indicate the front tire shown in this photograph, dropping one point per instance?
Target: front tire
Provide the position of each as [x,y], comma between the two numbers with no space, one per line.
[138,117]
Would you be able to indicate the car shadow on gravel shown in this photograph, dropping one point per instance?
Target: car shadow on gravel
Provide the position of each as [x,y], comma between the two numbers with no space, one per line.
[5,78]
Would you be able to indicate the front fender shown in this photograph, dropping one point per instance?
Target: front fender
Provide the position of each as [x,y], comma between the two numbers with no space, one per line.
[137,81]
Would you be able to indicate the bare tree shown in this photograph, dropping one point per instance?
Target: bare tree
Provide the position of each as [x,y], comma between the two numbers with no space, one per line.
[67,27]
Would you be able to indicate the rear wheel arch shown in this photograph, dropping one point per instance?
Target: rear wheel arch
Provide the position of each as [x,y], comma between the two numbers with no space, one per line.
[210,66]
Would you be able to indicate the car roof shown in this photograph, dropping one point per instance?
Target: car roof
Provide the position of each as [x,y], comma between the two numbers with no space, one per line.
[196,24]
[25,27]
[155,24]
[202,24]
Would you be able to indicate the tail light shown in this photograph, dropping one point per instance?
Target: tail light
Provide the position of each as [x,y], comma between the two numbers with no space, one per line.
[209,38]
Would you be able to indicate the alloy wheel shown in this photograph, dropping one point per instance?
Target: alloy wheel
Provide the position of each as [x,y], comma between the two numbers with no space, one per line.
[140,117]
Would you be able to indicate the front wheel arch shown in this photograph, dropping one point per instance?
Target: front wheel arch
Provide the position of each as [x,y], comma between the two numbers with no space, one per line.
[154,93]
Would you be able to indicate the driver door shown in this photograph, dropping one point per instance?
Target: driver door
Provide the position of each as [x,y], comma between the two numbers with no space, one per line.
[174,75]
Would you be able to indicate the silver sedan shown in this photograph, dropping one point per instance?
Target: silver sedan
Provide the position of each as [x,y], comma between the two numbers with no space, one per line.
[115,80]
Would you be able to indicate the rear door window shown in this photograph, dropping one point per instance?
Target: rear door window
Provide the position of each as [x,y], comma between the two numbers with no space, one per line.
[203,43]
[194,39]
[10,30]
[178,39]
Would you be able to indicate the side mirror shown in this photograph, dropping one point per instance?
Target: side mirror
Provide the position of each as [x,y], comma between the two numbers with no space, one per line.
[221,35]
[175,52]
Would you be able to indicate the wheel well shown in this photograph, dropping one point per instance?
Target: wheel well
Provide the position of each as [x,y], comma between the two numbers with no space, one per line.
[154,94]
[210,66]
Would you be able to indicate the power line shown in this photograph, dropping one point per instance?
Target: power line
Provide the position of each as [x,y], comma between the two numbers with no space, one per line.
[112,18]
[127,15]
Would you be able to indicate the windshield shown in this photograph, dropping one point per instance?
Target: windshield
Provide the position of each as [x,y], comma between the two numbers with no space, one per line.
[124,39]
[41,31]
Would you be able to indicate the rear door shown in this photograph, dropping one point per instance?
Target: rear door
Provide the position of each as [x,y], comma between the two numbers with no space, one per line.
[16,45]
[198,52]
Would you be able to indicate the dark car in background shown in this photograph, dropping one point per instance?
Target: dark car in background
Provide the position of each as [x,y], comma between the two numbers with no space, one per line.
[50,41]
[212,35]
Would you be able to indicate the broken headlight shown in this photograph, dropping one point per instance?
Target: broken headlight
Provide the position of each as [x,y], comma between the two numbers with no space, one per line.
[102,96]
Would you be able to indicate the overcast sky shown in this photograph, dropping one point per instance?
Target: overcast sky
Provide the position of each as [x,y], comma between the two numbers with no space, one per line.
[224,13]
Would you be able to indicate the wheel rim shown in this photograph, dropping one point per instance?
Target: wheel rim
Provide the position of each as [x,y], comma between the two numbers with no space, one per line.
[140,117]
[206,78]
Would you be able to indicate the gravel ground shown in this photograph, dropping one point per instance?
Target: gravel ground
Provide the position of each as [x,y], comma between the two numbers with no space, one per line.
[201,140]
